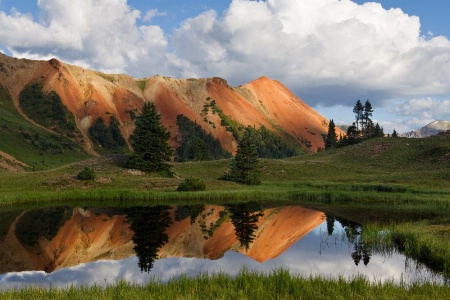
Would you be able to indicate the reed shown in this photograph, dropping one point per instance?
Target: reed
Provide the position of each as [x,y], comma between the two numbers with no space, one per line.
[280,284]
[427,241]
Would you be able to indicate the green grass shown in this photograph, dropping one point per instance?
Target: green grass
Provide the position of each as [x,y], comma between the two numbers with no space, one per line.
[142,84]
[403,172]
[246,285]
[30,144]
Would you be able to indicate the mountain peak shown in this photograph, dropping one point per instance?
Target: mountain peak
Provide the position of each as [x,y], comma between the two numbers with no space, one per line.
[428,130]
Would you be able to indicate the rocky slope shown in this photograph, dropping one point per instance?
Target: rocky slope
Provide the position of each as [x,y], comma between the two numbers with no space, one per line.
[89,95]
[431,129]
[89,235]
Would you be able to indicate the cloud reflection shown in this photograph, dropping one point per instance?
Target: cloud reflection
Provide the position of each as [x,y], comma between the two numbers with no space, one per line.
[315,254]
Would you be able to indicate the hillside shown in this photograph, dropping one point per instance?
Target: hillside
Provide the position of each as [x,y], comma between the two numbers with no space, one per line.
[75,98]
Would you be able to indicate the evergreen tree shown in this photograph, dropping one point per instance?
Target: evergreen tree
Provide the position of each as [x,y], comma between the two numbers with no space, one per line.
[108,137]
[378,131]
[245,165]
[358,109]
[196,144]
[394,134]
[352,133]
[149,142]
[330,140]
[366,119]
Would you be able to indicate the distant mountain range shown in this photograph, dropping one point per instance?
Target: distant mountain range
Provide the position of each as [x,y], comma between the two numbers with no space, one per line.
[431,129]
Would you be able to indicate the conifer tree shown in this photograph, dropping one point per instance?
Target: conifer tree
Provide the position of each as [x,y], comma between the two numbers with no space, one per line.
[245,165]
[149,141]
[330,140]
[394,134]
[366,118]
[358,109]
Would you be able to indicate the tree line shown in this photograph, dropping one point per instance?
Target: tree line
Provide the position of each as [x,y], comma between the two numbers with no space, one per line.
[361,129]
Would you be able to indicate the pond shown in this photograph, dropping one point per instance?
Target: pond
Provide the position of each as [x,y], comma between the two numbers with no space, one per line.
[64,246]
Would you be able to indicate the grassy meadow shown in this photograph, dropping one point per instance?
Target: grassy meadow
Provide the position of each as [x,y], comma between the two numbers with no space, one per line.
[398,185]
[246,285]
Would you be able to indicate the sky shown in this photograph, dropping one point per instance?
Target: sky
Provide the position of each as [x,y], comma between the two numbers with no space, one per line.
[330,53]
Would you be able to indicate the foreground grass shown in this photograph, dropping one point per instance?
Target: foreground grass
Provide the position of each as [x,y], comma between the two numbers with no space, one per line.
[246,285]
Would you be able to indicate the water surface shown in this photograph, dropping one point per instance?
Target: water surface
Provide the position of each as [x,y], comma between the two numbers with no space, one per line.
[63,246]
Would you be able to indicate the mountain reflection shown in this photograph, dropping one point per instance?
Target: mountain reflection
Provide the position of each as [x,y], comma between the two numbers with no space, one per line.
[53,238]
[163,242]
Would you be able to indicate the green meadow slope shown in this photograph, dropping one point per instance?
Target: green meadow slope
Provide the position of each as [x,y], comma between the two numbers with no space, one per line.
[34,146]
[382,168]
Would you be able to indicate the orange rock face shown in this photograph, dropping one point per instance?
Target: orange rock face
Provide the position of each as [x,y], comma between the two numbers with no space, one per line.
[89,95]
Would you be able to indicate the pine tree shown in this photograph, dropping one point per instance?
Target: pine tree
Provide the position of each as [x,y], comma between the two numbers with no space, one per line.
[245,165]
[358,109]
[330,140]
[366,118]
[378,131]
[394,134]
[149,141]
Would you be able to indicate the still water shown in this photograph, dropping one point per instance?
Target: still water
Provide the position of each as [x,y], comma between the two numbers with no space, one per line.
[64,246]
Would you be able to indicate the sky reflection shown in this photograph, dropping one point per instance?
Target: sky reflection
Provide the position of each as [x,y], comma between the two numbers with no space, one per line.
[315,254]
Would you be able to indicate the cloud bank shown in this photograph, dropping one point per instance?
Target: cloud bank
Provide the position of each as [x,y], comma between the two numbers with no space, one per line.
[328,52]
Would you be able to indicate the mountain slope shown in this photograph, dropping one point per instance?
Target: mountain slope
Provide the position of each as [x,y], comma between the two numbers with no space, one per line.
[429,130]
[89,95]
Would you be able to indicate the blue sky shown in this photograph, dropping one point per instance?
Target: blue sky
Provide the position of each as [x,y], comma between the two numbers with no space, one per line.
[396,53]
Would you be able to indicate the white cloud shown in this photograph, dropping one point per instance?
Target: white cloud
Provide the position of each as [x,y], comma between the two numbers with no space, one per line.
[424,108]
[153,13]
[318,46]
[328,52]
[100,34]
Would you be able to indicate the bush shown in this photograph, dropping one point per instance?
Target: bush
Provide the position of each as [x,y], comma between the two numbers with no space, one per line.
[191,184]
[86,174]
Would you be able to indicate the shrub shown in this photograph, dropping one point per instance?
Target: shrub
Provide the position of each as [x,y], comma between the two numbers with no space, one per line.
[191,184]
[86,174]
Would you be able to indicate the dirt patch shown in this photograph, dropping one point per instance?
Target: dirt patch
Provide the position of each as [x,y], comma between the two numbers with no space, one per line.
[134,172]
[10,163]
[379,149]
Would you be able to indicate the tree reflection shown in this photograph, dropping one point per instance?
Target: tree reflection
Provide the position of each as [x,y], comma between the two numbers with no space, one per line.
[244,217]
[149,225]
[192,211]
[353,232]
[330,225]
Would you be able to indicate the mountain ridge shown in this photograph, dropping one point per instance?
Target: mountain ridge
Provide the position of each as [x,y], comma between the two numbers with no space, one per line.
[428,130]
[89,95]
